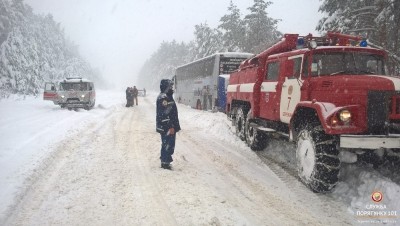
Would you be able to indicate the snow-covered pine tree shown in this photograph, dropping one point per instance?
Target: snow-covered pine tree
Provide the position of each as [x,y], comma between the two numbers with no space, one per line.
[5,21]
[162,64]
[33,49]
[207,41]
[261,29]
[233,29]
[376,20]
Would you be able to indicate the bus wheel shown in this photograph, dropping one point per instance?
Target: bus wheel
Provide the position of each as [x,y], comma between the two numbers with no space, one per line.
[317,159]
[240,124]
[255,138]
[198,105]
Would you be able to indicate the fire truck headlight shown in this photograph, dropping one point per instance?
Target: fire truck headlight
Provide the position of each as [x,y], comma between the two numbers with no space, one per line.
[345,115]
[62,96]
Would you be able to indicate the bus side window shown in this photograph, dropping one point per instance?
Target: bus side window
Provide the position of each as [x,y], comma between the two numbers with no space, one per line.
[272,71]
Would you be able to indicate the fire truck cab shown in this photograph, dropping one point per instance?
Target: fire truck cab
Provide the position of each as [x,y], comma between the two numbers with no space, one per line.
[326,94]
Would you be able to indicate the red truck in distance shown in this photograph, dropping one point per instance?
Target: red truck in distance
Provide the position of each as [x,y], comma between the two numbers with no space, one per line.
[327,94]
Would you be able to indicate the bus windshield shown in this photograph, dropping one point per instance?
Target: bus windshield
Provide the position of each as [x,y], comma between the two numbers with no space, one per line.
[347,63]
[229,64]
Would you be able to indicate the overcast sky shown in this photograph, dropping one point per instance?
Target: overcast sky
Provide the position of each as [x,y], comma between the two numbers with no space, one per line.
[117,36]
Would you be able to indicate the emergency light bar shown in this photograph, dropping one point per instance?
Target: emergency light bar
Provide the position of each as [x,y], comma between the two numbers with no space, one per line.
[331,39]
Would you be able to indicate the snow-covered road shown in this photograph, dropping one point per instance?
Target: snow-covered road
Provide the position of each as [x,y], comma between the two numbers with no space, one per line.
[107,172]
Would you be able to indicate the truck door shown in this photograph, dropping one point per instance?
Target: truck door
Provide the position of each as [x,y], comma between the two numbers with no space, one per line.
[290,96]
[50,91]
[270,92]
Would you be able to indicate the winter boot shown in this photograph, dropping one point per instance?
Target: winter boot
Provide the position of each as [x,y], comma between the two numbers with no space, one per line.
[165,165]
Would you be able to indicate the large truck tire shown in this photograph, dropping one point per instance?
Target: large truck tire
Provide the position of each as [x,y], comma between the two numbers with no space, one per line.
[318,163]
[240,122]
[255,138]
[232,116]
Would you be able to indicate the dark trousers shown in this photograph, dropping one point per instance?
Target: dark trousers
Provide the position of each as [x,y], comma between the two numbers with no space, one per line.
[167,147]
[204,102]
[129,102]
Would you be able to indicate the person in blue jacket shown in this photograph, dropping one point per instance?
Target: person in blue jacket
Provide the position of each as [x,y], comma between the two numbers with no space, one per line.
[167,122]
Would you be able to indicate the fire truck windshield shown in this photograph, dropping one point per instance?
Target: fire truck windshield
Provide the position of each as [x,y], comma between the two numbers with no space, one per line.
[347,63]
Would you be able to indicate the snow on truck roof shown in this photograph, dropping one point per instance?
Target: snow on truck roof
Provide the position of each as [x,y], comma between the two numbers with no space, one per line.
[73,80]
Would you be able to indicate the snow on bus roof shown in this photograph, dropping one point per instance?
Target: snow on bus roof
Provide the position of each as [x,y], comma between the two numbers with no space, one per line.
[226,54]
[233,54]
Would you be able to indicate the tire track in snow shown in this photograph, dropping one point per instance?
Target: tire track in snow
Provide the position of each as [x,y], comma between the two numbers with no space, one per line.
[148,202]
[311,200]
[94,177]
[261,202]
[44,165]
[41,182]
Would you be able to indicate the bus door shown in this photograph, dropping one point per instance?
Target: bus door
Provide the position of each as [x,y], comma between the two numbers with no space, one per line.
[221,92]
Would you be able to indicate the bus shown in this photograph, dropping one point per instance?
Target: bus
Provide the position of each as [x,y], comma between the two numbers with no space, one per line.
[202,84]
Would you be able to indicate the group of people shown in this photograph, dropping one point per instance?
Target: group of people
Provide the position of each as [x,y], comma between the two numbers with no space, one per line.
[131,96]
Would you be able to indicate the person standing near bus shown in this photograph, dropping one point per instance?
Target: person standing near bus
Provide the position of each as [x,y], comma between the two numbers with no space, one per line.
[135,93]
[167,122]
[209,96]
[205,97]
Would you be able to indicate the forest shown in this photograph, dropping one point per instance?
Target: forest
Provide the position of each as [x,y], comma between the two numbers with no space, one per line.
[375,20]
[34,48]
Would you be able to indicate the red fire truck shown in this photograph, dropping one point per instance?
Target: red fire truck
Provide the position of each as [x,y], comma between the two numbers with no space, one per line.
[327,94]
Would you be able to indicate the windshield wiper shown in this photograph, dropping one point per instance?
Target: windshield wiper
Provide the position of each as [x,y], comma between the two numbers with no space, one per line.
[342,72]
[366,72]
